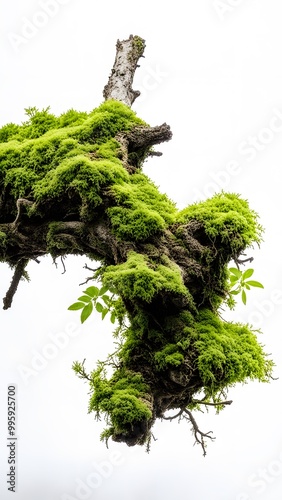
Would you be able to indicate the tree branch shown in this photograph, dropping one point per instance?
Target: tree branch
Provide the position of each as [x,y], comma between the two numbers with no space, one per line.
[18,274]
[198,434]
[119,86]
[212,404]
[141,137]
[21,204]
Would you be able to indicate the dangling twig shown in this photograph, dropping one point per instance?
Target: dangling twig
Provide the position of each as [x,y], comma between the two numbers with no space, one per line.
[18,274]
[198,434]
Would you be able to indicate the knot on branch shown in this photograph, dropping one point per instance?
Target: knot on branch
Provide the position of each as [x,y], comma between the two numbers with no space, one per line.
[135,145]
[141,137]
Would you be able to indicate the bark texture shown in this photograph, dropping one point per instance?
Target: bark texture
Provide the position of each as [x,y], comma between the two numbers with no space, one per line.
[119,86]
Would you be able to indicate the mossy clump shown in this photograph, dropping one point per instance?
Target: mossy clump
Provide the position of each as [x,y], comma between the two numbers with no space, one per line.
[72,161]
[48,158]
[141,279]
[228,353]
[228,217]
[168,368]
[141,210]
[122,398]
[169,356]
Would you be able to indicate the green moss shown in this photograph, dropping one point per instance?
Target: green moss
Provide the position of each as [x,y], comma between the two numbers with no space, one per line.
[120,398]
[139,278]
[59,243]
[141,210]
[228,353]
[138,44]
[80,175]
[228,217]
[7,132]
[75,154]
[168,357]
[72,118]
[3,240]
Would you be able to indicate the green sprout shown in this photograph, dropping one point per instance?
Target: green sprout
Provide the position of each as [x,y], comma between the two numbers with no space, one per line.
[240,282]
[95,298]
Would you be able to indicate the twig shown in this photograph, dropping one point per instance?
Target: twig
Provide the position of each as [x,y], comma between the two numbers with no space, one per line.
[90,277]
[174,416]
[21,204]
[82,373]
[242,261]
[63,264]
[90,268]
[119,85]
[212,404]
[18,274]
[86,281]
[197,432]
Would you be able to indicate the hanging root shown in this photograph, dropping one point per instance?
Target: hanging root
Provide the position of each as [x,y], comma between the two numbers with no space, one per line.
[198,434]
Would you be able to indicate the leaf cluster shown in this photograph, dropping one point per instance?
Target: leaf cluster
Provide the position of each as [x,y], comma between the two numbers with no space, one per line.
[98,299]
[240,282]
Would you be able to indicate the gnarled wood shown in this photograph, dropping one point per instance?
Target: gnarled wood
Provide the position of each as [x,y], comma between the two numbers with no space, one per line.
[119,86]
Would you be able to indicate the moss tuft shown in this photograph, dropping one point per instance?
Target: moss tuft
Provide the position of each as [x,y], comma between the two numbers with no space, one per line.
[228,353]
[228,217]
[139,278]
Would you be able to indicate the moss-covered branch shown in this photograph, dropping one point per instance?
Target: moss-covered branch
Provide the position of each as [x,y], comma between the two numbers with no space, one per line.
[74,184]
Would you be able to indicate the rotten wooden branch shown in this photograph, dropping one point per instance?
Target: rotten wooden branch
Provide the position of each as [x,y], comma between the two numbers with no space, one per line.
[119,86]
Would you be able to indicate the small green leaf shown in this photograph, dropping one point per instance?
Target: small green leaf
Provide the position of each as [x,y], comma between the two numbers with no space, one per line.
[106,299]
[244,297]
[99,307]
[255,283]
[235,292]
[76,306]
[84,298]
[233,278]
[247,274]
[103,290]
[86,311]
[92,291]
[104,312]
[235,271]
[247,286]
[113,317]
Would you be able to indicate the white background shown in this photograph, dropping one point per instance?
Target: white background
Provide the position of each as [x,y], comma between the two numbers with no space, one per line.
[213,71]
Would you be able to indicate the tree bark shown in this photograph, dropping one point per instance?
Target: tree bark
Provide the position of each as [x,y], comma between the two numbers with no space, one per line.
[119,86]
